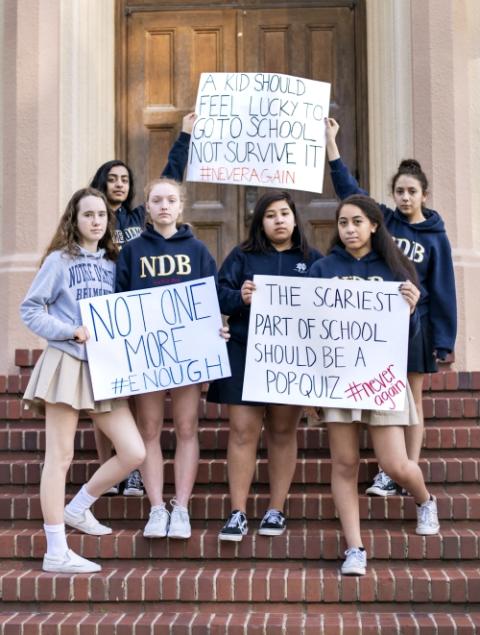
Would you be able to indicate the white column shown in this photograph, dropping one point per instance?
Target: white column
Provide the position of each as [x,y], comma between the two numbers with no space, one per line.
[389,90]
[87,90]
[57,119]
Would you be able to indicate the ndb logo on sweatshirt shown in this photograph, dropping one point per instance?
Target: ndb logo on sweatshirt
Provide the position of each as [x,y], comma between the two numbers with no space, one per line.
[165,265]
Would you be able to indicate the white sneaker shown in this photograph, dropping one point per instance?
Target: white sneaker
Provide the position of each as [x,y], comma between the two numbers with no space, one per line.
[355,562]
[157,525]
[179,521]
[427,518]
[112,491]
[86,522]
[71,563]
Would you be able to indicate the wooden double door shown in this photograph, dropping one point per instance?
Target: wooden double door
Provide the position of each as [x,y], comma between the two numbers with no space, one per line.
[162,48]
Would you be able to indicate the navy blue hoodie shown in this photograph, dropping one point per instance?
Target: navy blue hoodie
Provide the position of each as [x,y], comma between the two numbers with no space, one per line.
[131,223]
[426,245]
[340,264]
[152,260]
[241,265]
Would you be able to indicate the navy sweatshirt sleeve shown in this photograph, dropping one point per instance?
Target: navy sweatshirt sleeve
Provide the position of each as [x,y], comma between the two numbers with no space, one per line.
[442,297]
[344,183]
[177,158]
[124,268]
[209,266]
[230,279]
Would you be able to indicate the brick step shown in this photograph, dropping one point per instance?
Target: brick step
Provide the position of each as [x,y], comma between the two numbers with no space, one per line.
[456,501]
[454,469]
[441,405]
[315,540]
[30,438]
[226,581]
[244,620]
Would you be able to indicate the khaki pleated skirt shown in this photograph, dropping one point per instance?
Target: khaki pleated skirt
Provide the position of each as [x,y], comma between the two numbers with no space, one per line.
[406,417]
[60,378]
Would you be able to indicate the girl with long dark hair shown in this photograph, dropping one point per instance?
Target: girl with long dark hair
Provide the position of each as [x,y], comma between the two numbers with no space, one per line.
[362,248]
[420,234]
[276,245]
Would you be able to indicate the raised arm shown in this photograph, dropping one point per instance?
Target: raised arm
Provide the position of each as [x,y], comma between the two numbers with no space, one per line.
[178,155]
[344,183]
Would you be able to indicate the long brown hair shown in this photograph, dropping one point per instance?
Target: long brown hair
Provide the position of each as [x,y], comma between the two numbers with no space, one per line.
[257,240]
[66,236]
[382,241]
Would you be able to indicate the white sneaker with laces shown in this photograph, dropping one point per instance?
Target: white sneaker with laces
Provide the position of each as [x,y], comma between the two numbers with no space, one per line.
[70,563]
[355,562]
[86,522]
[179,521]
[427,518]
[157,525]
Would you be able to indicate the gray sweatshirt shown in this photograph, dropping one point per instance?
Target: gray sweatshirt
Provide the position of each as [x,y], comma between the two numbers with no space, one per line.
[50,308]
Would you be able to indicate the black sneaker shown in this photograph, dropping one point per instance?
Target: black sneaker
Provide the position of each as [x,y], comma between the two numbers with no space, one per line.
[382,485]
[133,485]
[235,528]
[273,523]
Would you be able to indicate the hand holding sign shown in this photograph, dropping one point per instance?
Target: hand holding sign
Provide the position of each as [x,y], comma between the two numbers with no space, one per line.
[148,340]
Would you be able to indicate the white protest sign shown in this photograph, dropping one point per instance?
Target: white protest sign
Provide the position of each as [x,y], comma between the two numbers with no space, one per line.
[334,343]
[259,129]
[154,339]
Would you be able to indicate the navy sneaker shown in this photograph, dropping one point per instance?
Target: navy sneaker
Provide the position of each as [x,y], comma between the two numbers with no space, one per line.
[273,523]
[382,485]
[235,528]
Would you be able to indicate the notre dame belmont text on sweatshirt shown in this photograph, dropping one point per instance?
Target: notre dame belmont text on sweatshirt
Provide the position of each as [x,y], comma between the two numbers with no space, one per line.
[50,308]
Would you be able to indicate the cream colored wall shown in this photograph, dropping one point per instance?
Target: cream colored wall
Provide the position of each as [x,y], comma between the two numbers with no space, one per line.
[58,126]
[57,119]
[432,82]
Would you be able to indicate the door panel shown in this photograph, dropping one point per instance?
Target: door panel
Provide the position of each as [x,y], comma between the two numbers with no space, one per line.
[311,43]
[167,50]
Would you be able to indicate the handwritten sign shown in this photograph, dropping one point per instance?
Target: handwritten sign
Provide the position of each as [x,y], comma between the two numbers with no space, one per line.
[337,343]
[259,129]
[154,339]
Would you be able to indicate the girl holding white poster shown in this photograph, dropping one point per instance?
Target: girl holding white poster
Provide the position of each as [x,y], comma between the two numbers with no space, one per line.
[79,263]
[115,179]
[166,253]
[276,245]
[363,249]
[420,234]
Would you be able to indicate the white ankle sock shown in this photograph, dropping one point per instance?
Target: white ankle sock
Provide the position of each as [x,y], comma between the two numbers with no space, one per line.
[56,540]
[81,502]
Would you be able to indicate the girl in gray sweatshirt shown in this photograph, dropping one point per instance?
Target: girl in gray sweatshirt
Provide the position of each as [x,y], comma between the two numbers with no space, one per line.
[79,263]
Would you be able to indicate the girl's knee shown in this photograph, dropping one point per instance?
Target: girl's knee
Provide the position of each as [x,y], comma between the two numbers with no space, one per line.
[150,431]
[346,465]
[399,470]
[186,430]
